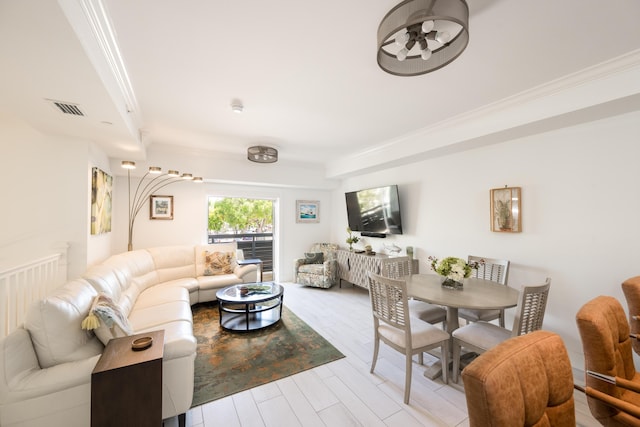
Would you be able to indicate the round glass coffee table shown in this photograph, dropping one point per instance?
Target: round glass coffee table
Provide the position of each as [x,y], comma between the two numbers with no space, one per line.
[250,306]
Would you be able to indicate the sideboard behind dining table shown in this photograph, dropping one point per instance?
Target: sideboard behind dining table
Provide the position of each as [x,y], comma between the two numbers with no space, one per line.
[476,294]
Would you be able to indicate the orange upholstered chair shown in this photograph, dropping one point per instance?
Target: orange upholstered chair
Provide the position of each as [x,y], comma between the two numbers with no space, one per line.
[524,381]
[631,289]
[606,343]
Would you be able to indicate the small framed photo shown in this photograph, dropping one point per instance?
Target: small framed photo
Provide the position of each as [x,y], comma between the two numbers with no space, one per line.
[307,211]
[506,215]
[161,207]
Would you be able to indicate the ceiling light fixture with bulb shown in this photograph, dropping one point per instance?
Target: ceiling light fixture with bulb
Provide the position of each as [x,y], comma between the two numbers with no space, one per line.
[236,106]
[262,154]
[420,36]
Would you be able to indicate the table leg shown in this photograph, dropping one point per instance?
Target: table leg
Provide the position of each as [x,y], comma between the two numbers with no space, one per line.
[452,319]
[246,307]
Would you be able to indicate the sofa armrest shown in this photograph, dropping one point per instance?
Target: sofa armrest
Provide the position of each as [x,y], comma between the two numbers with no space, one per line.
[40,382]
[247,273]
[22,378]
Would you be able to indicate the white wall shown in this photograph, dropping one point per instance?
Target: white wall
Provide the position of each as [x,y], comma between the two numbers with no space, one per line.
[44,186]
[579,190]
[189,225]
[580,204]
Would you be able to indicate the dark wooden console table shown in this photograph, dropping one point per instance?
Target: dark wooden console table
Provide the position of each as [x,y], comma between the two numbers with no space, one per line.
[126,384]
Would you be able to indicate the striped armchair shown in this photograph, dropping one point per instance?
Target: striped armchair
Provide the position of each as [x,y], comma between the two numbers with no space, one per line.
[319,266]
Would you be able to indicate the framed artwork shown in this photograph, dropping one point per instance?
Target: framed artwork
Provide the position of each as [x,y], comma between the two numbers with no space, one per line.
[506,215]
[307,211]
[101,191]
[161,207]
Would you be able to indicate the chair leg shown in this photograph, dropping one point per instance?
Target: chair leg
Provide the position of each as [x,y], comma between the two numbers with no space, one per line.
[376,347]
[501,318]
[456,360]
[444,359]
[407,379]
[421,358]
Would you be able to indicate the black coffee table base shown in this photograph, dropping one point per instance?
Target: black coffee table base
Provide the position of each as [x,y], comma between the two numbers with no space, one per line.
[251,312]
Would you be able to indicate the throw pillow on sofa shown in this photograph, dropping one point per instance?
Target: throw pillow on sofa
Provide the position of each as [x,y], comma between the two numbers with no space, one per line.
[107,320]
[216,263]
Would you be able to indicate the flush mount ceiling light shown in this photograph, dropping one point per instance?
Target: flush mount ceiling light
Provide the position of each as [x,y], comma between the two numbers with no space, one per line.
[237,107]
[420,36]
[262,154]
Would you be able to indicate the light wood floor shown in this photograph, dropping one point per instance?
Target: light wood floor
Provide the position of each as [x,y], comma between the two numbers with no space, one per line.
[344,393]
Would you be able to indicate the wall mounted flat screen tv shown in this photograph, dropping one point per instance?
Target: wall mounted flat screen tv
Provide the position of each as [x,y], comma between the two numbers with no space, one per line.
[374,211]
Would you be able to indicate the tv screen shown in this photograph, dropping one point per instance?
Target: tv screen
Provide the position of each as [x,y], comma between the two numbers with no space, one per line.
[374,210]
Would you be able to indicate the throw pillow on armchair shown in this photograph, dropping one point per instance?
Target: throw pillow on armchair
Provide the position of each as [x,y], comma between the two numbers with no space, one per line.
[313,258]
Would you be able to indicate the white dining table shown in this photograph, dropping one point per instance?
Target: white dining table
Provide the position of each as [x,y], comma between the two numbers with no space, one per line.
[475,294]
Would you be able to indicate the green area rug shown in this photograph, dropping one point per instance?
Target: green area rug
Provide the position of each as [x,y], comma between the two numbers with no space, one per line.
[229,362]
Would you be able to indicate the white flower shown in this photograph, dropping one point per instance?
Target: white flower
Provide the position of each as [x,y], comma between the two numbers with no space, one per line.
[457,272]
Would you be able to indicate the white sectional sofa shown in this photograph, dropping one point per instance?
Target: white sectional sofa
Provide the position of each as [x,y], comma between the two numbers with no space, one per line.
[46,364]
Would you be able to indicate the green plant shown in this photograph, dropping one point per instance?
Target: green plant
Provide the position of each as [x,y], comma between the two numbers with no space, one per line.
[352,238]
[503,212]
[452,268]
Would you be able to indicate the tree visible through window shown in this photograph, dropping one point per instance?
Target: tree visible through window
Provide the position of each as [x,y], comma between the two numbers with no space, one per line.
[235,215]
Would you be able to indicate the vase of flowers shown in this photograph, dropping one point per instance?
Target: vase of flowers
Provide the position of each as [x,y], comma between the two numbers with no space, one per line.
[453,270]
[351,239]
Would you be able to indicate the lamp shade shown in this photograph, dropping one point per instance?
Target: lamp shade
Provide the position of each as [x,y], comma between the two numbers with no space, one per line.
[262,154]
[446,23]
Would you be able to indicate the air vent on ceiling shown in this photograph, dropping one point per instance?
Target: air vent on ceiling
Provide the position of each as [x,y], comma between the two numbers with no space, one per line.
[67,108]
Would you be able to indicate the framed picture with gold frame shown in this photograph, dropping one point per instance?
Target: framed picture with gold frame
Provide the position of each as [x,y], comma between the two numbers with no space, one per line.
[506,213]
[161,207]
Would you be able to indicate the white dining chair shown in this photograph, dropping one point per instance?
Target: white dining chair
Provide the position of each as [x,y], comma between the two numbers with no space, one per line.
[398,267]
[482,336]
[393,325]
[496,270]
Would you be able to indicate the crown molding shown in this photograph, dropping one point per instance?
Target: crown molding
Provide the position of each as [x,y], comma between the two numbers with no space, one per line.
[532,111]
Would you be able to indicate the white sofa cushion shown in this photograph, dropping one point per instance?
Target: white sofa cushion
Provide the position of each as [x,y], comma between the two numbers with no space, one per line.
[165,293]
[189,283]
[206,283]
[175,262]
[178,339]
[133,264]
[137,272]
[156,316]
[54,324]
[106,280]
